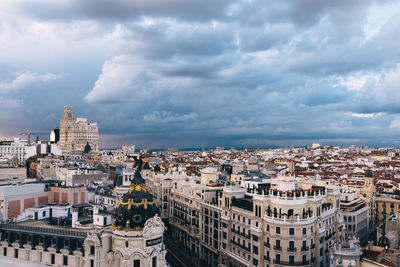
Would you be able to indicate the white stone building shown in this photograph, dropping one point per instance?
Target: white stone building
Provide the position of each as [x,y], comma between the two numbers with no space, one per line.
[76,133]
[17,149]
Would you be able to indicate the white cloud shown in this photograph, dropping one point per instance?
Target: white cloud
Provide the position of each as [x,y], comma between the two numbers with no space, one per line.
[356,82]
[365,115]
[24,79]
[378,16]
[119,77]
[395,124]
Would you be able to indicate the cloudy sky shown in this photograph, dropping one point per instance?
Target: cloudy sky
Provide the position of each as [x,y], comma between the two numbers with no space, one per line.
[184,73]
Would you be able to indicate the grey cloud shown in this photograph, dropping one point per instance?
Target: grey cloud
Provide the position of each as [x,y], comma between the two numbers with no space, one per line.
[230,72]
[126,10]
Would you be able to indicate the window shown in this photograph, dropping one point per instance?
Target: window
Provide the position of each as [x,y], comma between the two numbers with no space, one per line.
[91,250]
[278,258]
[65,260]
[278,230]
[304,259]
[291,260]
[267,227]
[154,263]
[53,258]
[291,231]
[291,245]
[255,250]
[44,214]
[304,231]
[136,263]
[255,238]
[277,243]
[255,262]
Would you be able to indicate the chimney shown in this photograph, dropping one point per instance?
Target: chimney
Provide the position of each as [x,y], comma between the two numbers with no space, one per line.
[74,217]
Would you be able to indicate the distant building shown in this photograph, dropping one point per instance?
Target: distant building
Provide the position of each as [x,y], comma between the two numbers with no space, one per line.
[315,145]
[54,136]
[76,133]
[16,149]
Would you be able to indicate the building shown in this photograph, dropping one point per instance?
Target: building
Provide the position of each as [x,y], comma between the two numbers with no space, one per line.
[14,199]
[346,254]
[12,174]
[54,136]
[135,238]
[76,133]
[355,216]
[386,206]
[368,194]
[16,149]
[234,226]
[389,232]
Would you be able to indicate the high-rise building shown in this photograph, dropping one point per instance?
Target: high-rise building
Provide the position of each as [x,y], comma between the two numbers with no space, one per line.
[54,136]
[76,133]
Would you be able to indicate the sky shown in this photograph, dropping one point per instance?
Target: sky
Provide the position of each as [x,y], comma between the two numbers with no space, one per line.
[181,73]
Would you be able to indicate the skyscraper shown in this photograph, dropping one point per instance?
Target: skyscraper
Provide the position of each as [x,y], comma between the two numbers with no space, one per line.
[76,133]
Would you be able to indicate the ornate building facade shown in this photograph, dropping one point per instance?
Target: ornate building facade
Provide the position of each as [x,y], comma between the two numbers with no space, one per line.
[284,225]
[75,134]
[135,238]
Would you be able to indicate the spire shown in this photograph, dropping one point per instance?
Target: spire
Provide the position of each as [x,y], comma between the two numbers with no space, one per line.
[138,179]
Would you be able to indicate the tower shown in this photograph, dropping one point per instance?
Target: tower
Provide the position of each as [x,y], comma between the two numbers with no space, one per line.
[368,193]
[66,135]
[75,134]
[137,236]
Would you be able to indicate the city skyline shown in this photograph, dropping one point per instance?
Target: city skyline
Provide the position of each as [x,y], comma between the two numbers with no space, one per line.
[232,73]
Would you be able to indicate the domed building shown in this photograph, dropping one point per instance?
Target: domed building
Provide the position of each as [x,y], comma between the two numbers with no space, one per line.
[137,238]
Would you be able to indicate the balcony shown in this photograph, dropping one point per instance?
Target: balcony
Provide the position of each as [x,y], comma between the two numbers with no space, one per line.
[277,248]
[240,233]
[267,258]
[329,236]
[267,245]
[289,249]
[312,246]
[294,263]
[305,248]
[239,245]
